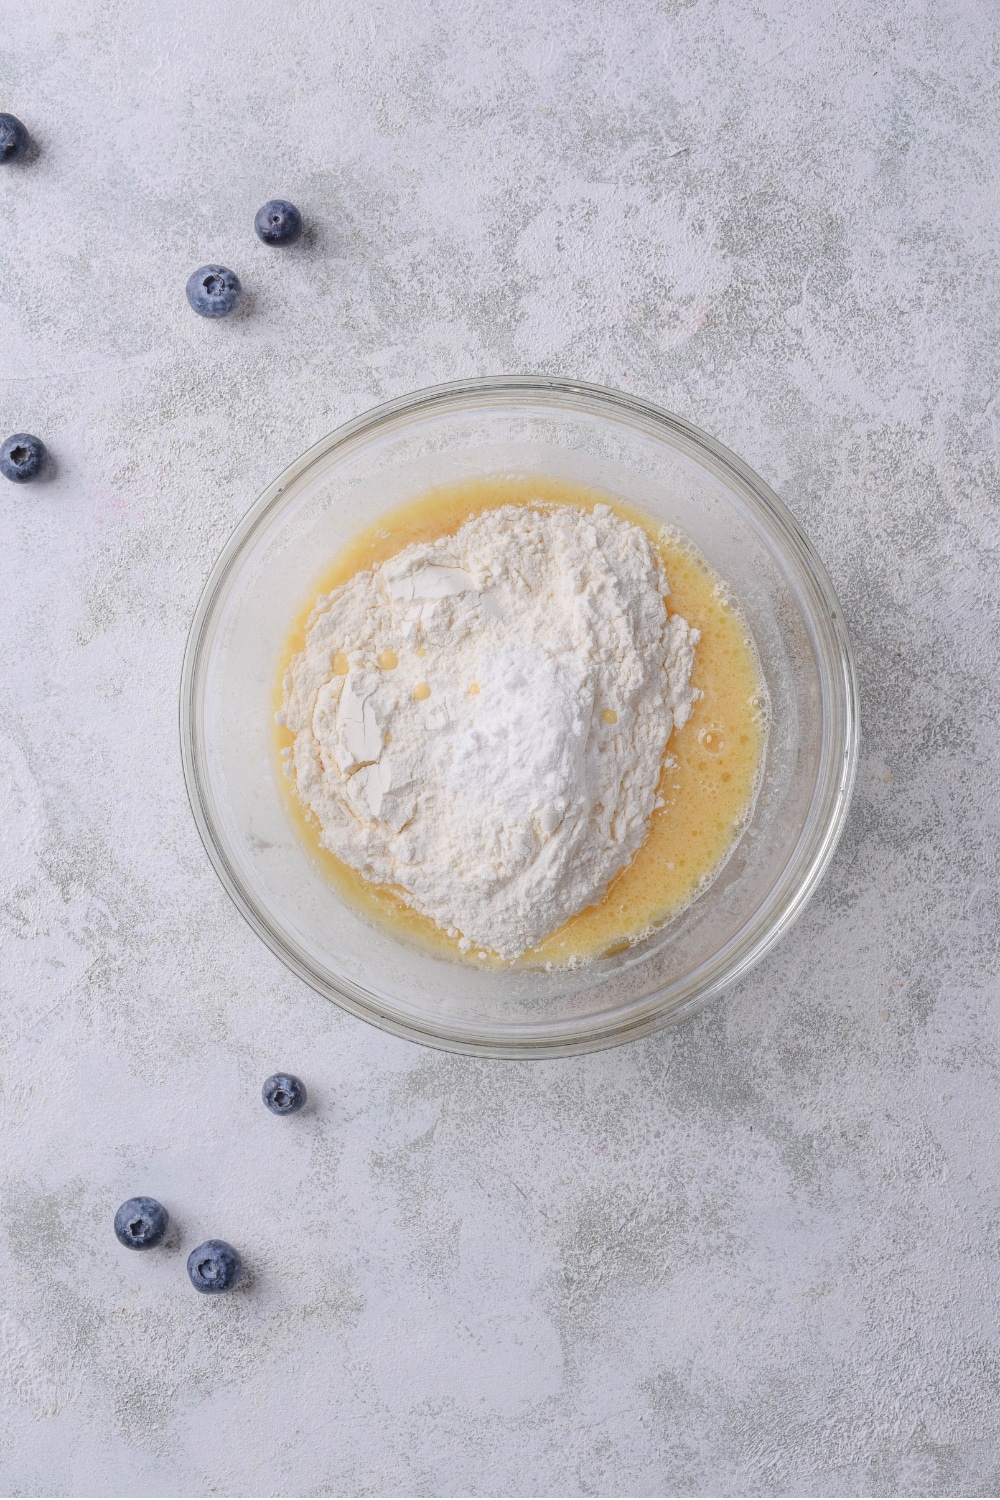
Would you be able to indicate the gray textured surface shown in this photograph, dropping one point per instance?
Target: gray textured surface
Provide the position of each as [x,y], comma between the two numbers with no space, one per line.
[756,1254]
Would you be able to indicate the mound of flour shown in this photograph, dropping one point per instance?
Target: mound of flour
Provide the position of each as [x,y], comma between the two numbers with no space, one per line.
[480,722]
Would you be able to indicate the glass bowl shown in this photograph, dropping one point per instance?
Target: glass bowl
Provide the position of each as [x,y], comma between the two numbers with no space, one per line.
[574,432]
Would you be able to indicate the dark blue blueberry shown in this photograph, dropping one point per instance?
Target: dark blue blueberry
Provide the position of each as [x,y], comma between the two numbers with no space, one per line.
[278,222]
[284,1094]
[141,1223]
[214,1266]
[13,138]
[21,457]
[214,291]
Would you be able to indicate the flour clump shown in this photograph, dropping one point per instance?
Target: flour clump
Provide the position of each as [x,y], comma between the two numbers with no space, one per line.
[480,722]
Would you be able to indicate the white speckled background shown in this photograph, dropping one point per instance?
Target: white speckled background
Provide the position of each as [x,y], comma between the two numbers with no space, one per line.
[756,1254]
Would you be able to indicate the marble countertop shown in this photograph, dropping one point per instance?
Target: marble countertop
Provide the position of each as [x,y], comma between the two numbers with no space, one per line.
[753,1254]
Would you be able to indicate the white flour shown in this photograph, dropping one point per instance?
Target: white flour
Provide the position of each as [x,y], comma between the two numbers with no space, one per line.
[502,800]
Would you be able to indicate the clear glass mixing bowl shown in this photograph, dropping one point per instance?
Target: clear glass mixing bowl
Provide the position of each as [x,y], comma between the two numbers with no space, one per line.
[574,432]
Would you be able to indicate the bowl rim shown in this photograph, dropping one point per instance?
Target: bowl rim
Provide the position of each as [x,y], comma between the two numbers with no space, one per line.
[835,794]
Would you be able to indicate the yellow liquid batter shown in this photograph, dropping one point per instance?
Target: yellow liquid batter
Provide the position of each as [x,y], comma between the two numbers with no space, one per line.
[710,771]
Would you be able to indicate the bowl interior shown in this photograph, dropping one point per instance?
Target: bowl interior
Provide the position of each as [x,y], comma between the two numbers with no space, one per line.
[576,433]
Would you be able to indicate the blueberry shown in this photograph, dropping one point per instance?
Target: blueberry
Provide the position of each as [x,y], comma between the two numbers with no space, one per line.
[141,1223]
[13,138]
[214,1266]
[284,1094]
[214,291]
[278,222]
[21,457]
